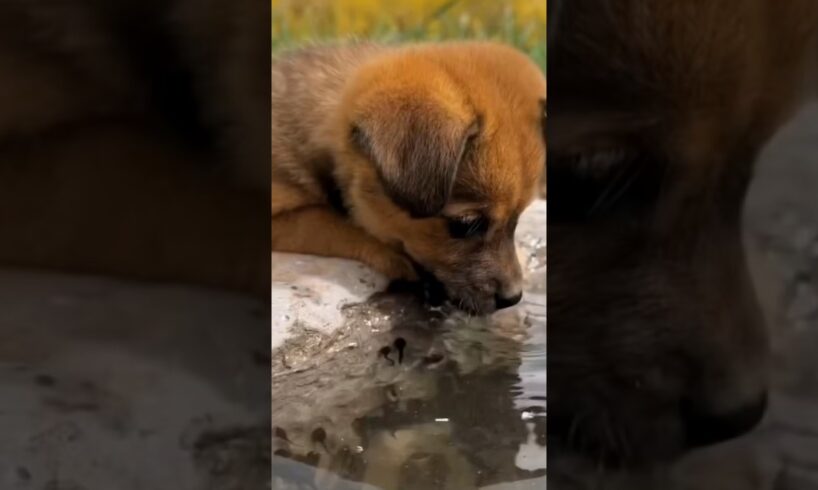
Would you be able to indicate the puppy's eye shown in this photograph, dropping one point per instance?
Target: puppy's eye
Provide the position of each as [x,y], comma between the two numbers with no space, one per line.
[601,184]
[467,226]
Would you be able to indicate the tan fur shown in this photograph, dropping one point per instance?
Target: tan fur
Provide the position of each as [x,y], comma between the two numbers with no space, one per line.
[408,134]
[118,200]
[94,176]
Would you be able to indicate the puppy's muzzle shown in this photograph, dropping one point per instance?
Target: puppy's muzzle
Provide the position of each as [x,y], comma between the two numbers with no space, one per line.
[703,428]
[501,302]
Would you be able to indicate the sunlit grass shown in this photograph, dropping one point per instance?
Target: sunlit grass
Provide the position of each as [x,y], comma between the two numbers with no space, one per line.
[517,22]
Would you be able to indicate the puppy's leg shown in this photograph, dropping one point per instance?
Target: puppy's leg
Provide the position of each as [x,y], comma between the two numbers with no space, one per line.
[318,230]
[125,202]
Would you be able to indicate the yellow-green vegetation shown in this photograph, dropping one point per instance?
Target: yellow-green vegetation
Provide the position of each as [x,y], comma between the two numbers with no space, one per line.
[517,22]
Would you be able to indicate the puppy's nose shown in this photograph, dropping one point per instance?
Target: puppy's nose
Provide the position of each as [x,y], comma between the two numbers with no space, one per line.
[501,301]
[704,428]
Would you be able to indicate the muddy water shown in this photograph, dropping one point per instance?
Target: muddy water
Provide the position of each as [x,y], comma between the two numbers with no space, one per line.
[403,397]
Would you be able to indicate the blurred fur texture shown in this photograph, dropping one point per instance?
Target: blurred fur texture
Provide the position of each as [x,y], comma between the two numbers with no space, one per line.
[133,139]
[657,111]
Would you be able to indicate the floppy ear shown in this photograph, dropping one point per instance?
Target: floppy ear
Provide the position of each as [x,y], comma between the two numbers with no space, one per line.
[416,149]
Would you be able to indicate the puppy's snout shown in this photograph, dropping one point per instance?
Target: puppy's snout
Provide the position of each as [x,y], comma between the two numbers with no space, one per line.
[508,280]
[703,428]
[501,301]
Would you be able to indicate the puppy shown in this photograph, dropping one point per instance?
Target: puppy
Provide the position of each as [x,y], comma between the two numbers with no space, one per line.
[657,111]
[133,139]
[420,154]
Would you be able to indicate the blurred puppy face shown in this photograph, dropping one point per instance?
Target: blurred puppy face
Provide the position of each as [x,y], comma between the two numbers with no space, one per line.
[441,149]
[656,340]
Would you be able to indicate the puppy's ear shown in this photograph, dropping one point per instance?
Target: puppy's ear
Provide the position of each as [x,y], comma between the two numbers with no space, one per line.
[416,149]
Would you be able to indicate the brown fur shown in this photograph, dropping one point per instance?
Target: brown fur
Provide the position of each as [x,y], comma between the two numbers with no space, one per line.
[133,139]
[411,136]
[657,111]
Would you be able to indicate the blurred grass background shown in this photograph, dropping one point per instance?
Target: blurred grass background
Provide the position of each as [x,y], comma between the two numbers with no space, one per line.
[517,22]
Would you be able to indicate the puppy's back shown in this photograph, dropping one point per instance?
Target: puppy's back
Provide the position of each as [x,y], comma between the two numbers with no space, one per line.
[306,90]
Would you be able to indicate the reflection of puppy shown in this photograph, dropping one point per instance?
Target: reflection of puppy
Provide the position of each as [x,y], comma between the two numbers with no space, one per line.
[657,111]
[419,457]
[395,155]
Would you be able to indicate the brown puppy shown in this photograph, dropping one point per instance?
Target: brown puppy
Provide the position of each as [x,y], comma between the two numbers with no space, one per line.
[394,155]
[657,111]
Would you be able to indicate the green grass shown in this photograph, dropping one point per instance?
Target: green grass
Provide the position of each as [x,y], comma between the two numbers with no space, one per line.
[446,22]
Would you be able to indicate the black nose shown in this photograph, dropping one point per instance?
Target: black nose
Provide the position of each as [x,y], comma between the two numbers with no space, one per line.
[703,428]
[502,302]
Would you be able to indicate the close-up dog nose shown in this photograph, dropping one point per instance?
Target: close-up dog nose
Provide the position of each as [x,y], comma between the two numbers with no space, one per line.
[501,301]
[705,428]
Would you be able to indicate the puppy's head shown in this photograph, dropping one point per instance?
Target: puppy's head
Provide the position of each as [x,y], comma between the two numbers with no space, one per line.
[656,113]
[442,147]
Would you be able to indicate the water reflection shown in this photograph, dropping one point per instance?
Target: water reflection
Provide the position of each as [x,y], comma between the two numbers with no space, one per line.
[401,397]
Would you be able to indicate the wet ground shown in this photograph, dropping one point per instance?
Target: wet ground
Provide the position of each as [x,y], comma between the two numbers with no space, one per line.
[114,385]
[395,396]
[108,384]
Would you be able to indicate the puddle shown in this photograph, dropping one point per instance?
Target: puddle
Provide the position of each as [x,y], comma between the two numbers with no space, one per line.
[403,397]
